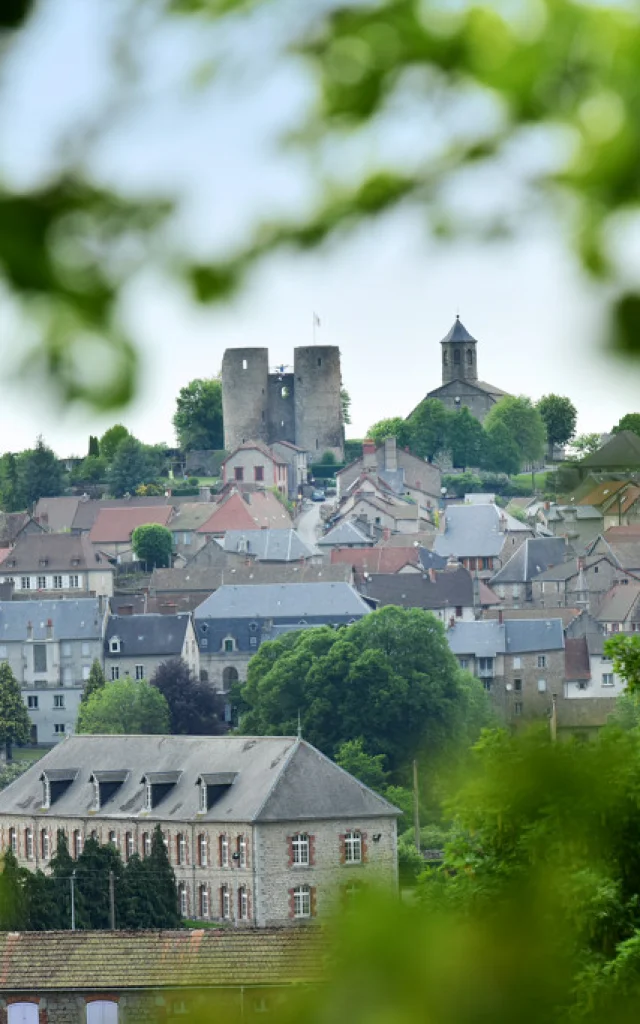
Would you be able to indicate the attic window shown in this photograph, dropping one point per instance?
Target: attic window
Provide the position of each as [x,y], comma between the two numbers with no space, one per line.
[212,786]
[114,645]
[157,786]
[43,561]
[55,783]
[105,784]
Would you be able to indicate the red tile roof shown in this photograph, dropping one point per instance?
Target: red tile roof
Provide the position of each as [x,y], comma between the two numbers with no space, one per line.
[576,659]
[115,525]
[377,560]
[258,509]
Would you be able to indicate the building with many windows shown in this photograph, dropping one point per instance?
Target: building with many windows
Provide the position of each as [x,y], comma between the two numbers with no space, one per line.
[56,565]
[260,831]
[135,645]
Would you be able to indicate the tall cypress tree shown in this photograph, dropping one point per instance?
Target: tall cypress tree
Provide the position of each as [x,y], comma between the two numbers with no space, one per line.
[15,724]
[137,903]
[62,868]
[92,881]
[43,909]
[95,682]
[13,901]
[162,883]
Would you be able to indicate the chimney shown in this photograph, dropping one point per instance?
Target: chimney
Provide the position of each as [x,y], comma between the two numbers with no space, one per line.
[49,629]
[432,575]
[125,609]
[390,455]
[581,563]
[500,617]
[369,460]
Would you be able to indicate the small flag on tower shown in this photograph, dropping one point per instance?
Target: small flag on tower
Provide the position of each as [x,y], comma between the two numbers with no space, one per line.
[316,320]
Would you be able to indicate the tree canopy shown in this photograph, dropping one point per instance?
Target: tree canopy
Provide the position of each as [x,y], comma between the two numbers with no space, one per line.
[130,467]
[111,441]
[524,423]
[198,416]
[195,708]
[428,428]
[560,416]
[40,473]
[631,421]
[95,682]
[396,427]
[390,679]
[125,706]
[15,725]
[153,544]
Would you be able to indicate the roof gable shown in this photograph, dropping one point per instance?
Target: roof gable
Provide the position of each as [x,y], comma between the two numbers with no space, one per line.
[154,634]
[622,449]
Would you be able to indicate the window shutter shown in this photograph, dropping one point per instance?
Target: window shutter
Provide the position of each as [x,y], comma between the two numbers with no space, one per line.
[292,904]
[186,849]
[312,851]
[313,900]
[364,847]
[290,851]
[343,850]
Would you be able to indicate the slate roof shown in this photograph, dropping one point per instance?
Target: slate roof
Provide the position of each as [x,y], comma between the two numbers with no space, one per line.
[567,615]
[559,513]
[622,449]
[430,560]
[207,580]
[62,552]
[534,556]
[475,531]
[465,385]
[115,525]
[281,601]
[577,666]
[622,543]
[84,961]
[190,516]
[246,512]
[345,532]
[376,559]
[451,588]
[56,514]
[158,635]
[11,526]
[458,332]
[79,619]
[489,637]
[267,545]
[617,604]
[278,778]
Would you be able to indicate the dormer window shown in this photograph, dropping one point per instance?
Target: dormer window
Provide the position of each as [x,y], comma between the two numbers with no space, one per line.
[55,782]
[157,786]
[211,787]
[228,644]
[106,784]
[43,562]
[114,645]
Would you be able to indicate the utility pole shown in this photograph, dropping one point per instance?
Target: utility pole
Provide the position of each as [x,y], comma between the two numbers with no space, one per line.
[416,806]
[73,900]
[112,902]
[553,721]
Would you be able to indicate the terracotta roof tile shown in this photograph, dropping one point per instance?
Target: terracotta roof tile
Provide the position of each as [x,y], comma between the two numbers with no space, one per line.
[115,525]
[377,560]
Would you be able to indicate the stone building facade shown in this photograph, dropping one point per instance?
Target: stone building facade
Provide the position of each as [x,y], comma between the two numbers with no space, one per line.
[460,384]
[303,407]
[260,831]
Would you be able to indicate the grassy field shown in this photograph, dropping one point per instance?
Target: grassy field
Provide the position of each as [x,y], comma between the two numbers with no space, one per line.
[525,478]
[28,754]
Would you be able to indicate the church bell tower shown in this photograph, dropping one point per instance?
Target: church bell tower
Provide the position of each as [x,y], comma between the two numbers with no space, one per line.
[459,357]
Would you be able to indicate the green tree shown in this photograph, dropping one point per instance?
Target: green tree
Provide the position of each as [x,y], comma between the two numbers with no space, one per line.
[389,678]
[129,468]
[40,473]
[198,416]
[428,425]
[62,867]
[465,439]
[152,544]
[92,470]
[165,890]
[369,768]
[11,495]
[583,445]
[42,908]
[524,423]
[195,708]
[125,706]
[560,416]
[111,441]
[501,452]
[631,421]
[15,725]
[13,901]
[95,682]
[93,867]
[395,427]
[94,446]
[624,651]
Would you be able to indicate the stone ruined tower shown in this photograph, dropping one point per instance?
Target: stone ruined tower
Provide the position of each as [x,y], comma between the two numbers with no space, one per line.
[318,407]
[245,395]
[459,357]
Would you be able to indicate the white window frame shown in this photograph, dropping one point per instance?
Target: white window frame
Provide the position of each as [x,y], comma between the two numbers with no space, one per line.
[32,702]
[243,903]
[242,851]
[205,909]
[203,854]
[203,798]
[353,848]
[146,844]
[102,1011]
[302,901]
[113,839]
[77,843]
[45,844]
[59,728]
[542,661]
[517,662]
[74,582]
[28,842]
[13,841]
[57,583]
[607,679]
[23,1013]
[115,673]
[183,899]
[300,850]
[181,848]
[139,672]
[542,685]
[225,902]
[42,582]
[58,701]
[25,583]
[224,851]
[130,845]
[148,796]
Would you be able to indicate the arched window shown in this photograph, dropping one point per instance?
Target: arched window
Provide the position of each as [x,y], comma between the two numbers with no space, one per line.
[224,851]
[456,357]
[28,843]
[242,851]
[102,1011]
[469,357]
[181,848]
[146,844]
[22,1013]
[229,676]
[129,845]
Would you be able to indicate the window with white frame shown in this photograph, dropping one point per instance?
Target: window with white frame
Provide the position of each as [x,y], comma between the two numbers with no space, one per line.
[86,671]
[224,851]
[113,838]
[45,844]
[146,844]
[114,645]
[65,649]
[32,703]
[28,843]
[203,798]
[102,1011]
[58,700]
[517,662]
[77,843]
[148,796]
[225,902]
[300,849]
[22,1013]
[243,903]
[57,582]
[25,583]
[607,678]
[74,582]
[115,673]
[542,685]
[181,848]
[542,661]
[129,845]
[139,671]
[13,840]
[302,901]
[204,901]
[59,728]
[202,851]
[242,851]
[353,848]
[42,582]
[228,644]
[85,649]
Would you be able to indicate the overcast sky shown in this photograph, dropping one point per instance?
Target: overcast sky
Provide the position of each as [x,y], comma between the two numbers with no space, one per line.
[386,296]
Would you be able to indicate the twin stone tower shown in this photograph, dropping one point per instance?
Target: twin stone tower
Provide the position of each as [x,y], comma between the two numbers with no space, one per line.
[301,405]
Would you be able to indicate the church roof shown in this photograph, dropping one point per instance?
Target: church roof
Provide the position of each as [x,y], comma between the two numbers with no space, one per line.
[458,332]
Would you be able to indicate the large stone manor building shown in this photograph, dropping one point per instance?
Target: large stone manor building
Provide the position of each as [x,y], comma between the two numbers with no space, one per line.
[460,385]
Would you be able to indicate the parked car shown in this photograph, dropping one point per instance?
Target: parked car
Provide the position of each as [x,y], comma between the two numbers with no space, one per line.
[318,495]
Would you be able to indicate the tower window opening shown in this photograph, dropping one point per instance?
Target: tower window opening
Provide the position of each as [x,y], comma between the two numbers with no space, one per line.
[285,392]
[469,357]
[445,358]
[319,362]
[456,357]
[244,364]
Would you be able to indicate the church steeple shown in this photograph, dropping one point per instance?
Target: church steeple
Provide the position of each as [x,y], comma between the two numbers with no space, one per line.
[459,360]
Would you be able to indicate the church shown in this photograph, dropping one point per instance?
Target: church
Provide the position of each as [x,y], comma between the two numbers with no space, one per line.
[460,384]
